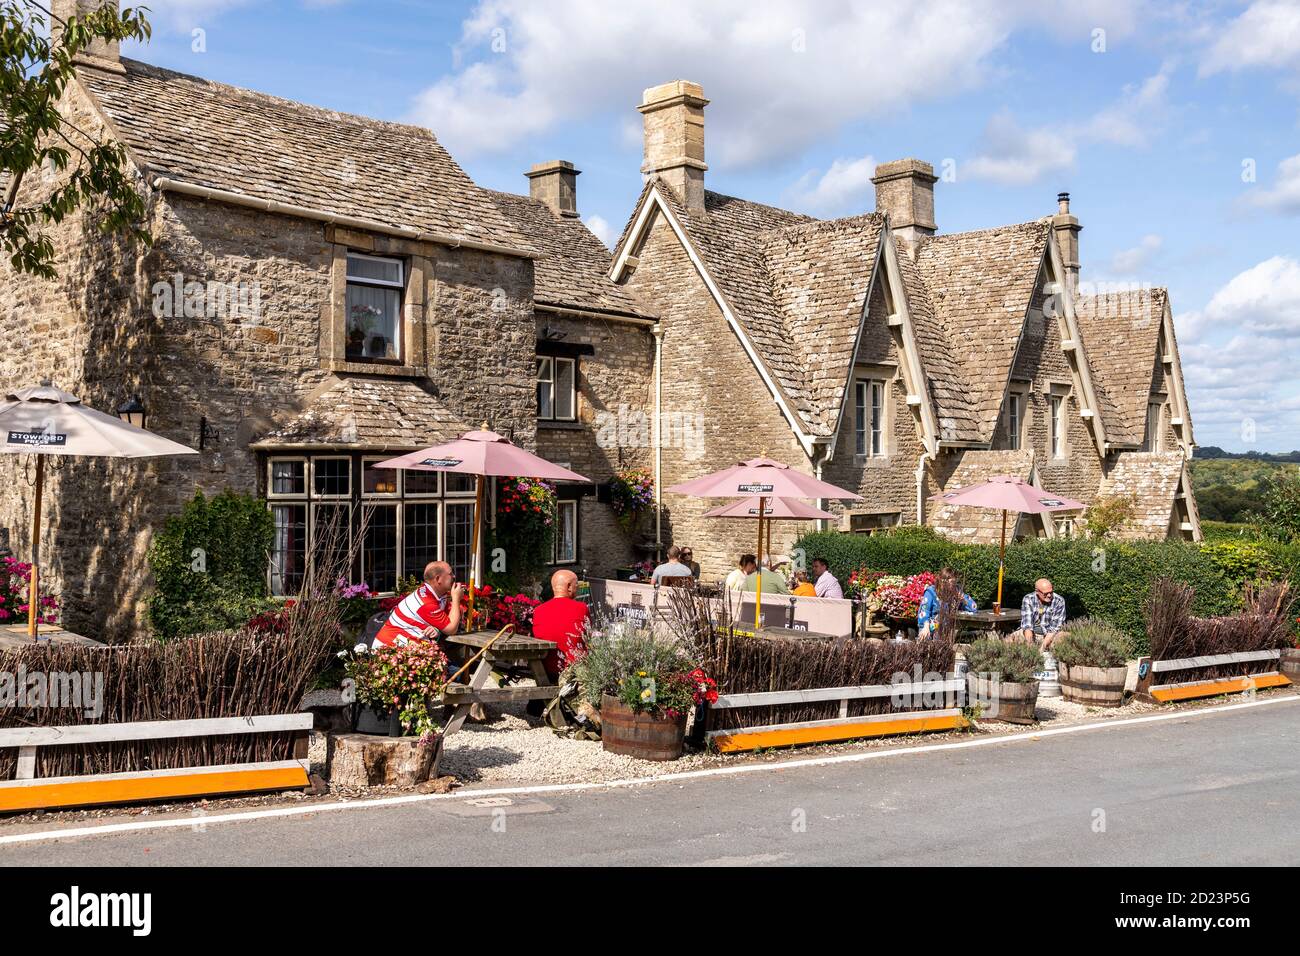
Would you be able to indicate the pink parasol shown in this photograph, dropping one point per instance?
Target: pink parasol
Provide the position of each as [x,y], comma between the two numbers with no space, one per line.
[762,479]
[1007,493]
[485,454]
[776,509]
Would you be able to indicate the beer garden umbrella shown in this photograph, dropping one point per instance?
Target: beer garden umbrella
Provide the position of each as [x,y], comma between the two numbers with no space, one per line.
[483,454]
[777,509]
[766,480]
[1007,493]
[42,420]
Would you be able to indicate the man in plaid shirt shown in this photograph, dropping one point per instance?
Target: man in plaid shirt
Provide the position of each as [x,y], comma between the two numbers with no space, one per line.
[1042,615]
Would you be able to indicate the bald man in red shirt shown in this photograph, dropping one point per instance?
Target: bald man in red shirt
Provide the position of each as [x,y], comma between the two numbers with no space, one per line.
[561,620]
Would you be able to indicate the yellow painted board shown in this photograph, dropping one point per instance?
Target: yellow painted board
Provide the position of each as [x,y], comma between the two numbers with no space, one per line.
[89,790]
[1232,686]
[816,735]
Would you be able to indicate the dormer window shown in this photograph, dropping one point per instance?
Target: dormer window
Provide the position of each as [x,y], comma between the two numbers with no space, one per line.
[374,308]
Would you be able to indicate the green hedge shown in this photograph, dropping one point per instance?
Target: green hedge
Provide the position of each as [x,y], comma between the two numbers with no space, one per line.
[1109,580]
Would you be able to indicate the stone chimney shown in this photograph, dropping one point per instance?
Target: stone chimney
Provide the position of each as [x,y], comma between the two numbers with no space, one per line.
[905,192]
[556,184]
[101,53]
[1066,227]
[674,139]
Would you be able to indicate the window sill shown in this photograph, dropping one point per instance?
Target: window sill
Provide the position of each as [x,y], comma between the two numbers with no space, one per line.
[561,424]
[373,368]
[871,461]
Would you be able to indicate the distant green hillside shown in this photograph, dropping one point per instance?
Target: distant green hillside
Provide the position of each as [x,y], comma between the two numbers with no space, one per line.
[1229,489]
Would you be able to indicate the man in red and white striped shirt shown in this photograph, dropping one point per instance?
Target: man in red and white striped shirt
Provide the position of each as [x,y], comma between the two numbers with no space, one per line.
[430,612]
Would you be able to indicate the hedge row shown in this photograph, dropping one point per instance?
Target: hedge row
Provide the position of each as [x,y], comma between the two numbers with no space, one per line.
[1110,580]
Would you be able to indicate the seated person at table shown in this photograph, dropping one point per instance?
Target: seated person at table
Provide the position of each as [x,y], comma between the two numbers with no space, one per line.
[802,586]
[672,568]
[429,613]
[688,559]
[773,582]
[561,620]
[927,616]
[1042,615]
[744,567]
[826,584]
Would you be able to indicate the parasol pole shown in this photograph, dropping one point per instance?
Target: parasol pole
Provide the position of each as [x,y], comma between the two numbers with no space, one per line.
[475,560]
[758,591]
[1002,562]
[33,594]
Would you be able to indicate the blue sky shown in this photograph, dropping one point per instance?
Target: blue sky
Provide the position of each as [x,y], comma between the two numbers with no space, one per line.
[1174,126]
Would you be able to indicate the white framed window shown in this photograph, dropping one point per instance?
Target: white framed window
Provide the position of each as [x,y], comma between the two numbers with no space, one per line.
[373,320]
[557,388]
[381,482]
[869,418]
[331,476]
[1153,439]
[1015,420]
[566,531]
[1057,408]
[286,478]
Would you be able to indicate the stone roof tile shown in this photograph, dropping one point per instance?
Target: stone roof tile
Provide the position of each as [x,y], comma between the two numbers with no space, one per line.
[1153,477]
[377,414]
[1121,333]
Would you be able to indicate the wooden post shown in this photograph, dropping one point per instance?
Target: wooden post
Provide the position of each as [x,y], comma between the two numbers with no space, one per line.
[1002,563]
[475,567]
[33,595]
[758,590]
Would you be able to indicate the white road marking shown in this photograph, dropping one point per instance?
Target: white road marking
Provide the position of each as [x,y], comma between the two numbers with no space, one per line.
[463,795]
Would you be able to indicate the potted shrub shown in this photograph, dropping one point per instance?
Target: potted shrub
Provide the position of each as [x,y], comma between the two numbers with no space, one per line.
[1001,679]
[643,685]
[402,685]
[1093,662]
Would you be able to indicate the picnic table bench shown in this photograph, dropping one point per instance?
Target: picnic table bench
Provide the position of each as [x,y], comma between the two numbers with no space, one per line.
[508,652]
[1004,623]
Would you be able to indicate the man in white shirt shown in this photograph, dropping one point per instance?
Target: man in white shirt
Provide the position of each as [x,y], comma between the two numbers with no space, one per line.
[672,568]
[824,582]
[747,564]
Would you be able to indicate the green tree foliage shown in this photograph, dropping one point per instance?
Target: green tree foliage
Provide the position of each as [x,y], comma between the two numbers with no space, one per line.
[36,54]
[1280,516]
[209,565]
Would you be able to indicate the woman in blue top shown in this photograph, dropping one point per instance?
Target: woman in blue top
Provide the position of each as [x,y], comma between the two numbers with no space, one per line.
[927,616]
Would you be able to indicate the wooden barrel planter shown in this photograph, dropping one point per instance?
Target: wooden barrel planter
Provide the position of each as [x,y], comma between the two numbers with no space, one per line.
[1093,686]
[1015,703]
[623,731]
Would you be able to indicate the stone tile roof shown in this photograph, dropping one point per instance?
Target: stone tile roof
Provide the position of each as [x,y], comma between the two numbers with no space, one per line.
[980,525]
[944,375]
[369,413]
[223,137]
[1154,478]
[1121,333]
[797,285]
[980,285]
[573,270]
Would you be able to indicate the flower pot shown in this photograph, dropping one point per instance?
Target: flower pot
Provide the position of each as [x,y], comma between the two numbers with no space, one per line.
[1094,686]
[395,728]
[1009,702]
[623,731]
[1289,664]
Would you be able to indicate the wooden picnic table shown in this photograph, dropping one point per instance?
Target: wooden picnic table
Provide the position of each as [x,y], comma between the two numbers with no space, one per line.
[1004,623]
[509,650]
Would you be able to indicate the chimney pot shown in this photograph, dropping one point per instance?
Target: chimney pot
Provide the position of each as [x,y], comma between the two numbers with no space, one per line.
[905,192]
[1066,226]
[555,183]
[1063,202]
[673,119]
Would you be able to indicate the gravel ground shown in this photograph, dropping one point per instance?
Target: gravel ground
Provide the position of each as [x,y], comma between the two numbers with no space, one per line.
[513,748]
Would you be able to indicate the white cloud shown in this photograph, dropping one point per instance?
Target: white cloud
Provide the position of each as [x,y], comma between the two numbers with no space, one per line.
[780,74]
[1266,35]
[185,14]
[1239,357]
[602,230]
[843,189]
[1013,155]
[1130,261]
[1284,197]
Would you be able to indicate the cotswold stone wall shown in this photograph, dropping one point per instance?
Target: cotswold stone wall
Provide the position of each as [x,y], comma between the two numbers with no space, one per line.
[94,331]
[710,381]
[614,431]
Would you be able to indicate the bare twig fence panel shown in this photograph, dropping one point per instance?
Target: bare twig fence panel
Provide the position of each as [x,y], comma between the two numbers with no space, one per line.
[951,692]
[1157,680]
[30,792]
